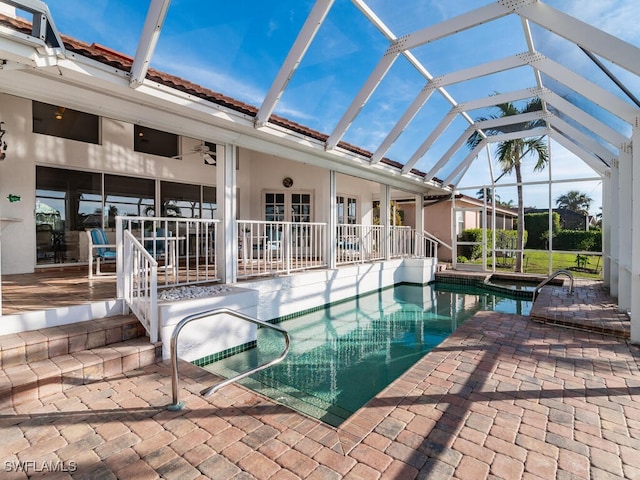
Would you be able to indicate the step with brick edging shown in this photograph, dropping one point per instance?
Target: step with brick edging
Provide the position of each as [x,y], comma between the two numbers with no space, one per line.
[37,345]
[30,381]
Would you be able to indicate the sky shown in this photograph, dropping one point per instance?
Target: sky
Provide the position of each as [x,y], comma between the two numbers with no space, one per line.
[236,48]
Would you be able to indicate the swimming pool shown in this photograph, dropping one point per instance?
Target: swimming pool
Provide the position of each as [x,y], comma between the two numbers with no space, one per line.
[344,354]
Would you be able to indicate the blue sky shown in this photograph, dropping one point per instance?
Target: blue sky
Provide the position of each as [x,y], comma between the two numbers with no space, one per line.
[236,48]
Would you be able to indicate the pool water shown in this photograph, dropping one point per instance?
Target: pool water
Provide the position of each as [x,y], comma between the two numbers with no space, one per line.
[345,354]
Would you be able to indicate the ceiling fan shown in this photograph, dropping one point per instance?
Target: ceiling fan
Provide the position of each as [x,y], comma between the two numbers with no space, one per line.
[208,156]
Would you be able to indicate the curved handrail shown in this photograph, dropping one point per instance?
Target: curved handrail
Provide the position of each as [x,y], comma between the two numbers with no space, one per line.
[551,277]
[176,405]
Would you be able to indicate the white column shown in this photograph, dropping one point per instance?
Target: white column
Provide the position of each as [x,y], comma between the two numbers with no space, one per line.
[419,223]
[611,208]
[332,221]
[635,234]
[385,218]
[624,240]
[606,229]
[227,238]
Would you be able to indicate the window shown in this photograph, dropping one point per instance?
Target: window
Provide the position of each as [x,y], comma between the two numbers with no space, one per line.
[63,122]
[209,206]
[347,210]
[187,201]
[274,207]
[155,142]
[300,207]
[459,222]
[128,196]
[67,201]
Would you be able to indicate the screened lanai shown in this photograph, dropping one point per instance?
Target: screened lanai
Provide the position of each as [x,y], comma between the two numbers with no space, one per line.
[385,91]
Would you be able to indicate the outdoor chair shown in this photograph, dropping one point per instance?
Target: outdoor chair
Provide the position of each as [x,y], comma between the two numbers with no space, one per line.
[156,246]
[273,244]
[99,249]
[162,245]
[349,247]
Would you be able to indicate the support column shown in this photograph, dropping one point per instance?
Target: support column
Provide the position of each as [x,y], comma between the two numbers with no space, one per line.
[385,219]
[606,229]
[419,223]
[332,221]
[635,234]
[611,214]
[227,235]
[624,240]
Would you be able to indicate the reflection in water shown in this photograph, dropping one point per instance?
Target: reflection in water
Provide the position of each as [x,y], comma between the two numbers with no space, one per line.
[345,354]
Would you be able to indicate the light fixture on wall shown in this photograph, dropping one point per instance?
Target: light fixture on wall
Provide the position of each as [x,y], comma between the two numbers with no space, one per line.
[287,182]
[59,114]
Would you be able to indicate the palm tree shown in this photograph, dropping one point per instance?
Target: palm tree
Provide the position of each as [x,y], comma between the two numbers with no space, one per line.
[511,153]
[576,201]
[480,195]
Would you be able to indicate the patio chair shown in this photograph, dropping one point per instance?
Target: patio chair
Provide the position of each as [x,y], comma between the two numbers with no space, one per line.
[349,247]
[273,244]
[99,249]
[156,246]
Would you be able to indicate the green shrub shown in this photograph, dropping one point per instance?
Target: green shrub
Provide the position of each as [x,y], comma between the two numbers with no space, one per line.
[581,240]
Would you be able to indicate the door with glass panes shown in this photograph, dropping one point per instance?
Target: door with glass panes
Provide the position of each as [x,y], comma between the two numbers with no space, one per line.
[290,207]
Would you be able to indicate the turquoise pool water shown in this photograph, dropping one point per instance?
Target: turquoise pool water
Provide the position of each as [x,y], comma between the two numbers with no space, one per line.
[343,355]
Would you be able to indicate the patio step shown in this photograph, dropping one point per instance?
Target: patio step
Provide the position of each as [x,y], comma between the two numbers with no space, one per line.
[51,360]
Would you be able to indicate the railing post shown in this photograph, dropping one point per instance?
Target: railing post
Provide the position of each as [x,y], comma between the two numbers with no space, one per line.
[153,306]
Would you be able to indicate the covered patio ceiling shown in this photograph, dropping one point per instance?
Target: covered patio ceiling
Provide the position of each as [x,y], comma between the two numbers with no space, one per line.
[403,116]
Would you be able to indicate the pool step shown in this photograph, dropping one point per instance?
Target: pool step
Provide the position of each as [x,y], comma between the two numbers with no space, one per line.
[44,362]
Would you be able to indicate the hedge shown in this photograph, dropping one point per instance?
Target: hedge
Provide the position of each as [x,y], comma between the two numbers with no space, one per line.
[537,224]
[590,241]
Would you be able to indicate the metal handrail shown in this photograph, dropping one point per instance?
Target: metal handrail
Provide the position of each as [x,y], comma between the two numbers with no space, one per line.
[176,405]
[551,277]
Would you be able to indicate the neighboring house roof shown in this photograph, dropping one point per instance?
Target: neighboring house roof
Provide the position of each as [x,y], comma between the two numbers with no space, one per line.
[433,199]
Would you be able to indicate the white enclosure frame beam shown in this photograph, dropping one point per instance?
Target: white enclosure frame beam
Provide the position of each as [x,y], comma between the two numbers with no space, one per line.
[505,137]
[362,96]
[587,89]
[431,138]
[613,49]
[599,128]
[449,153]
[594,162]
[484,69]
[148,40]
[586,141]
[462,22]
[635,232]
[294,57]
[401,124]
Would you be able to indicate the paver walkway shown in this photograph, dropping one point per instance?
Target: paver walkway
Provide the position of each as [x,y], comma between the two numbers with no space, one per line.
[503,397]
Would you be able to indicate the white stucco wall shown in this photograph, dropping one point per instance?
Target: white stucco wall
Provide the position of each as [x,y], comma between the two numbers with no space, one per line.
[257,174]
[115,155]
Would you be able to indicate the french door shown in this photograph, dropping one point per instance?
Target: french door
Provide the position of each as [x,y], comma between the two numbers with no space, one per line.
[290,207]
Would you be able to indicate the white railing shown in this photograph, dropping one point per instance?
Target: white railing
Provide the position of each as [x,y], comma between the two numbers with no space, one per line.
[269,248]
[359,243]
[426,246]
[183,247]
[401,242]
[141,284]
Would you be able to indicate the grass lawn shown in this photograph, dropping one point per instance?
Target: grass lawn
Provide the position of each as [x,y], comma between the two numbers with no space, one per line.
[537,261]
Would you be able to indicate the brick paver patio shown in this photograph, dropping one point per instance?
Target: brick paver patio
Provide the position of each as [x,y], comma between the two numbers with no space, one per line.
[503,397]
